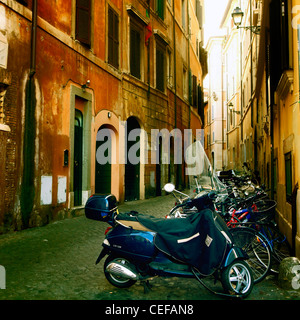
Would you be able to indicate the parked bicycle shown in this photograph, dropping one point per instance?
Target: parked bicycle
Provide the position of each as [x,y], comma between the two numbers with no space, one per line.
[260,216]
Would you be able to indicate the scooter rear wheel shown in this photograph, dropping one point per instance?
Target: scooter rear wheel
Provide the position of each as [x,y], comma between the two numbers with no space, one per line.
[117,281]
[237,279]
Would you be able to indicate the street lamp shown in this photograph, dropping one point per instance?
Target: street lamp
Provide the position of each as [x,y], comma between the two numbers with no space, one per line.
[230,105]
[237,16]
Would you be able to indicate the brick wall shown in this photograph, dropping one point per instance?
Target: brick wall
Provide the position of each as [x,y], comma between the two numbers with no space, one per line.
[9,142]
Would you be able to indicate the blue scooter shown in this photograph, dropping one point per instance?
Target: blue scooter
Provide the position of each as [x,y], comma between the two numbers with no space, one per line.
[139,247]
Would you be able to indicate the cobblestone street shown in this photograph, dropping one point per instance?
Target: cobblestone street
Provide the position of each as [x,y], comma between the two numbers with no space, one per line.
[57,262]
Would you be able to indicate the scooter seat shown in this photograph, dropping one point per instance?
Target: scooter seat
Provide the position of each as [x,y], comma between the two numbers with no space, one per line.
[133,224]
[138,221]
[129,220]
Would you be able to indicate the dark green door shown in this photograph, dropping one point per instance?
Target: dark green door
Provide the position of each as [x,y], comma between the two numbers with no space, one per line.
[158,167]
[103,171]
[132,170]
[77,173]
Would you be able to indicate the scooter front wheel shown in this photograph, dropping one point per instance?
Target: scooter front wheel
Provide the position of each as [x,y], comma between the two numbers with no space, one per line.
[117,280]
[237,279]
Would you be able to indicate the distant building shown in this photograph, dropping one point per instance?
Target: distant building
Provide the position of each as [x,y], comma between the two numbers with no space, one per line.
[216,114]
[261,82]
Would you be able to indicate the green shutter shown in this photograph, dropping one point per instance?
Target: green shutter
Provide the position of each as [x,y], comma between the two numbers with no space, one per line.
[160,8]
[288,176]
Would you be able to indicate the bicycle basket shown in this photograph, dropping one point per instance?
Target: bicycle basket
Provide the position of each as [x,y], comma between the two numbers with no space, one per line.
[263,210]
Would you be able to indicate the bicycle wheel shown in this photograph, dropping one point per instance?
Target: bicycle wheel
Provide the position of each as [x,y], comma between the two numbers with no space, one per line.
[257,248]
[263,211]
[280,246]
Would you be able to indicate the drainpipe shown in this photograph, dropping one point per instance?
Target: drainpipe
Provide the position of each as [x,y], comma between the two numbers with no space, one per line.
[251,64]
[175,84]
[33,39]
[177,167]
[148,53]
[27,188]
[189,63]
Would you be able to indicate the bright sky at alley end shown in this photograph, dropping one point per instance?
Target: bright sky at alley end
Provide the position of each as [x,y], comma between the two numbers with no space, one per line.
[214,11]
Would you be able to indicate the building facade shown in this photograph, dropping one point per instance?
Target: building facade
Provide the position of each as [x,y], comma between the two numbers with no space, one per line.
[277,91]
[215,116]
[261,82]
[85,82]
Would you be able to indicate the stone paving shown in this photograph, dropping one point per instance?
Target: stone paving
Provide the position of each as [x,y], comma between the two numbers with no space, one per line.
[57,262]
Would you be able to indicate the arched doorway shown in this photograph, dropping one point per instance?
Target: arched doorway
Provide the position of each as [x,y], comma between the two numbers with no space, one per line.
[103,160]
[132,166]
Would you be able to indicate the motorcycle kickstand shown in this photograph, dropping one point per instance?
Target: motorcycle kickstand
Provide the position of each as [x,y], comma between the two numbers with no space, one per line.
[147,286]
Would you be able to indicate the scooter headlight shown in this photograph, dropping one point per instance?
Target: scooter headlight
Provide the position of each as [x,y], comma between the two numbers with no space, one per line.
[106,242]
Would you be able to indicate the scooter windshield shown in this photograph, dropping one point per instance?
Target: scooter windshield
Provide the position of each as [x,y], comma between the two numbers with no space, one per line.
[199,171]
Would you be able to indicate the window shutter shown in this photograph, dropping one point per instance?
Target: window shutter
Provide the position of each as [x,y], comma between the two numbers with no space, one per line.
[116,40]
[195,92]
[24,2]
[110,36]
[135,54]
[160,76]
[83,21]
[113,38]
[288,176]
[200,104]
[160,8]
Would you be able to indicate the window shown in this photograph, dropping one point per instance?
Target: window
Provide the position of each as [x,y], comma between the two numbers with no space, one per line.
[160,8]
[183,14]
[233,156]
[251,147]
[184,84]
[135,52]
[83,21]
[24,2]
[199,13]
[160,67]
[285,29]
[195,92]
[280,40]
[169,68]
[113,38]
[288,176]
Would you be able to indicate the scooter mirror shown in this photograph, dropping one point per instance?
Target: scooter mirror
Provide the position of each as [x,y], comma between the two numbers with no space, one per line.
[169,187]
